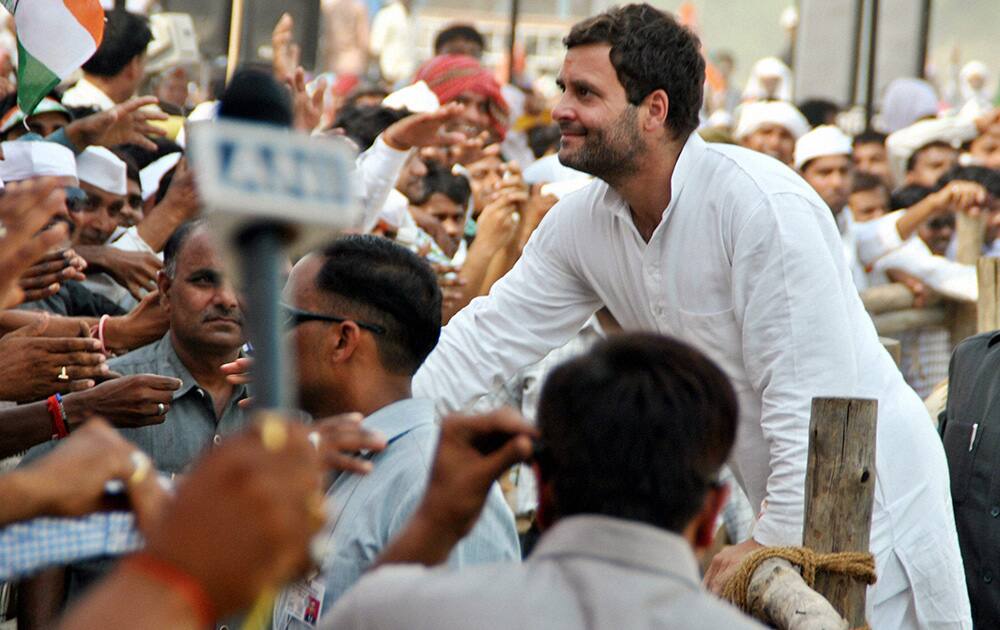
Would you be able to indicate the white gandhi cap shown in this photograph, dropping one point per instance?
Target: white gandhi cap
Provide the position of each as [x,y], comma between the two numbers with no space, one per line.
[753,116]
[151,176]
[102,169]
[26,159]
[820,142]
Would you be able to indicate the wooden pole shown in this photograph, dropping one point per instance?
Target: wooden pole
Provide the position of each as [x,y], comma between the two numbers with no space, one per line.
[779,597]
[988,315]
[892,297]
[235,37]
[970,232]
[872,65]
[896,322]
[925,35]
[893,347]
[515,6]
[840,492]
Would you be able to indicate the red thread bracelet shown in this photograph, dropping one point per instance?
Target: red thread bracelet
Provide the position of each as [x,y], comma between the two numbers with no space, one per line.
[177,580]
[58,421]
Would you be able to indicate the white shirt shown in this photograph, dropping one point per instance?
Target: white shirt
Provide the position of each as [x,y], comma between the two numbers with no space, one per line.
[393,41]
[848,236]
[588,571]
[950,279]
[378,170]
[747,265]
[86,94]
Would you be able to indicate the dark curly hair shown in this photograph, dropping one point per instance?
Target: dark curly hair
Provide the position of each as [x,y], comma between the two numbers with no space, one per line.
[650,51]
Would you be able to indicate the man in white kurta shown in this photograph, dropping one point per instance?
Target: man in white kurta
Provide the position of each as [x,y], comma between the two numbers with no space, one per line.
[746,263]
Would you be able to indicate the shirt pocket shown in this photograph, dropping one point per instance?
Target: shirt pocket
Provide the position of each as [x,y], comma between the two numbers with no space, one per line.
[717,335]
[961,443]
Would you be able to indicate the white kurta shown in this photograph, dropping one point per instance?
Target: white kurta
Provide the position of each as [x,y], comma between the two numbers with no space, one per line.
[848,236]
[748,266]
[86,94]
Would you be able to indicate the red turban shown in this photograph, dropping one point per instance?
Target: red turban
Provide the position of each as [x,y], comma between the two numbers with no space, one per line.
[448,76]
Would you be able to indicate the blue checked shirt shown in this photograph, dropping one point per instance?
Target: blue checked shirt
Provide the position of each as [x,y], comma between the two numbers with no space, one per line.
[30,546]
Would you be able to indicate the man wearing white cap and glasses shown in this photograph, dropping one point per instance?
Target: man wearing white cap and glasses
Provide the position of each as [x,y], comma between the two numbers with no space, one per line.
[823,157]
[770,127]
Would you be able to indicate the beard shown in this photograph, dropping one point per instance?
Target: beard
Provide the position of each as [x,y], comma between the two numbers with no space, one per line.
[610,153]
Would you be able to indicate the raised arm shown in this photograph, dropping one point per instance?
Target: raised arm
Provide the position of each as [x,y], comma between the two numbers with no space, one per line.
[534,309]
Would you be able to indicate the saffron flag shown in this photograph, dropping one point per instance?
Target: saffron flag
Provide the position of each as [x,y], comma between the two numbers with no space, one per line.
[54,38]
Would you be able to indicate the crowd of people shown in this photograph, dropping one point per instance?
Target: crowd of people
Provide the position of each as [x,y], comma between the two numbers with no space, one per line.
[571,341]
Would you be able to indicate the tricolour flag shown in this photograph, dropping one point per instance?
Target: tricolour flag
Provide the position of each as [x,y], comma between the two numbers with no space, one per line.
[54,38]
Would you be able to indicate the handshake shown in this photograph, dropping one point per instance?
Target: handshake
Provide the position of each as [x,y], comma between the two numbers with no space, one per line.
[240,524]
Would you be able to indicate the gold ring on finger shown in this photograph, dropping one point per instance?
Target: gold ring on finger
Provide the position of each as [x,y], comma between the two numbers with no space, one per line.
[63,374]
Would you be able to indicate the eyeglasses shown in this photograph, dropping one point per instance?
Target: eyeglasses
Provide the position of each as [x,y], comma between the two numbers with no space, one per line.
[295,316]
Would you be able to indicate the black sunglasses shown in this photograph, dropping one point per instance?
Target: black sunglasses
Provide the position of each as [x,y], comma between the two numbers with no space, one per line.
[295,316]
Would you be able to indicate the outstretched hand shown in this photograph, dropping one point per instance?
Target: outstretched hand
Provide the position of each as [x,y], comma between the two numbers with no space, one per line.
[25,208]
[424,130]
[126,123]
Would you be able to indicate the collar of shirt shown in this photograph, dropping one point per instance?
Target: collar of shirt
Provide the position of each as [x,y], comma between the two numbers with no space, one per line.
[401,417]
[689,157]
[621,542]
[994,339]
[86,94]
[169,364]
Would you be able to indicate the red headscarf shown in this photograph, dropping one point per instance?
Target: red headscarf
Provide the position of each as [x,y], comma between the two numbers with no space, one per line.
[448,76]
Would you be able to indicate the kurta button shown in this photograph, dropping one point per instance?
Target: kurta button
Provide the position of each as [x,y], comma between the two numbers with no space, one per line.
[987,577]
[217,440]
[995,511]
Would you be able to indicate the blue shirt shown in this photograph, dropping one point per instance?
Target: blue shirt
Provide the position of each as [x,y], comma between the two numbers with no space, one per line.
[367,511]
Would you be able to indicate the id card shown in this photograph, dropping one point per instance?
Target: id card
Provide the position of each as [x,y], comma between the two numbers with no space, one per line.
[305,599]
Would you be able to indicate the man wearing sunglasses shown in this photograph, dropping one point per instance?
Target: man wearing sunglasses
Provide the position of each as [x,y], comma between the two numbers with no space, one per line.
[363,316]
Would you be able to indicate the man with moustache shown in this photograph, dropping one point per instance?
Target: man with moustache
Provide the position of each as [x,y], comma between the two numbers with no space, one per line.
[734,253]
[206,331]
